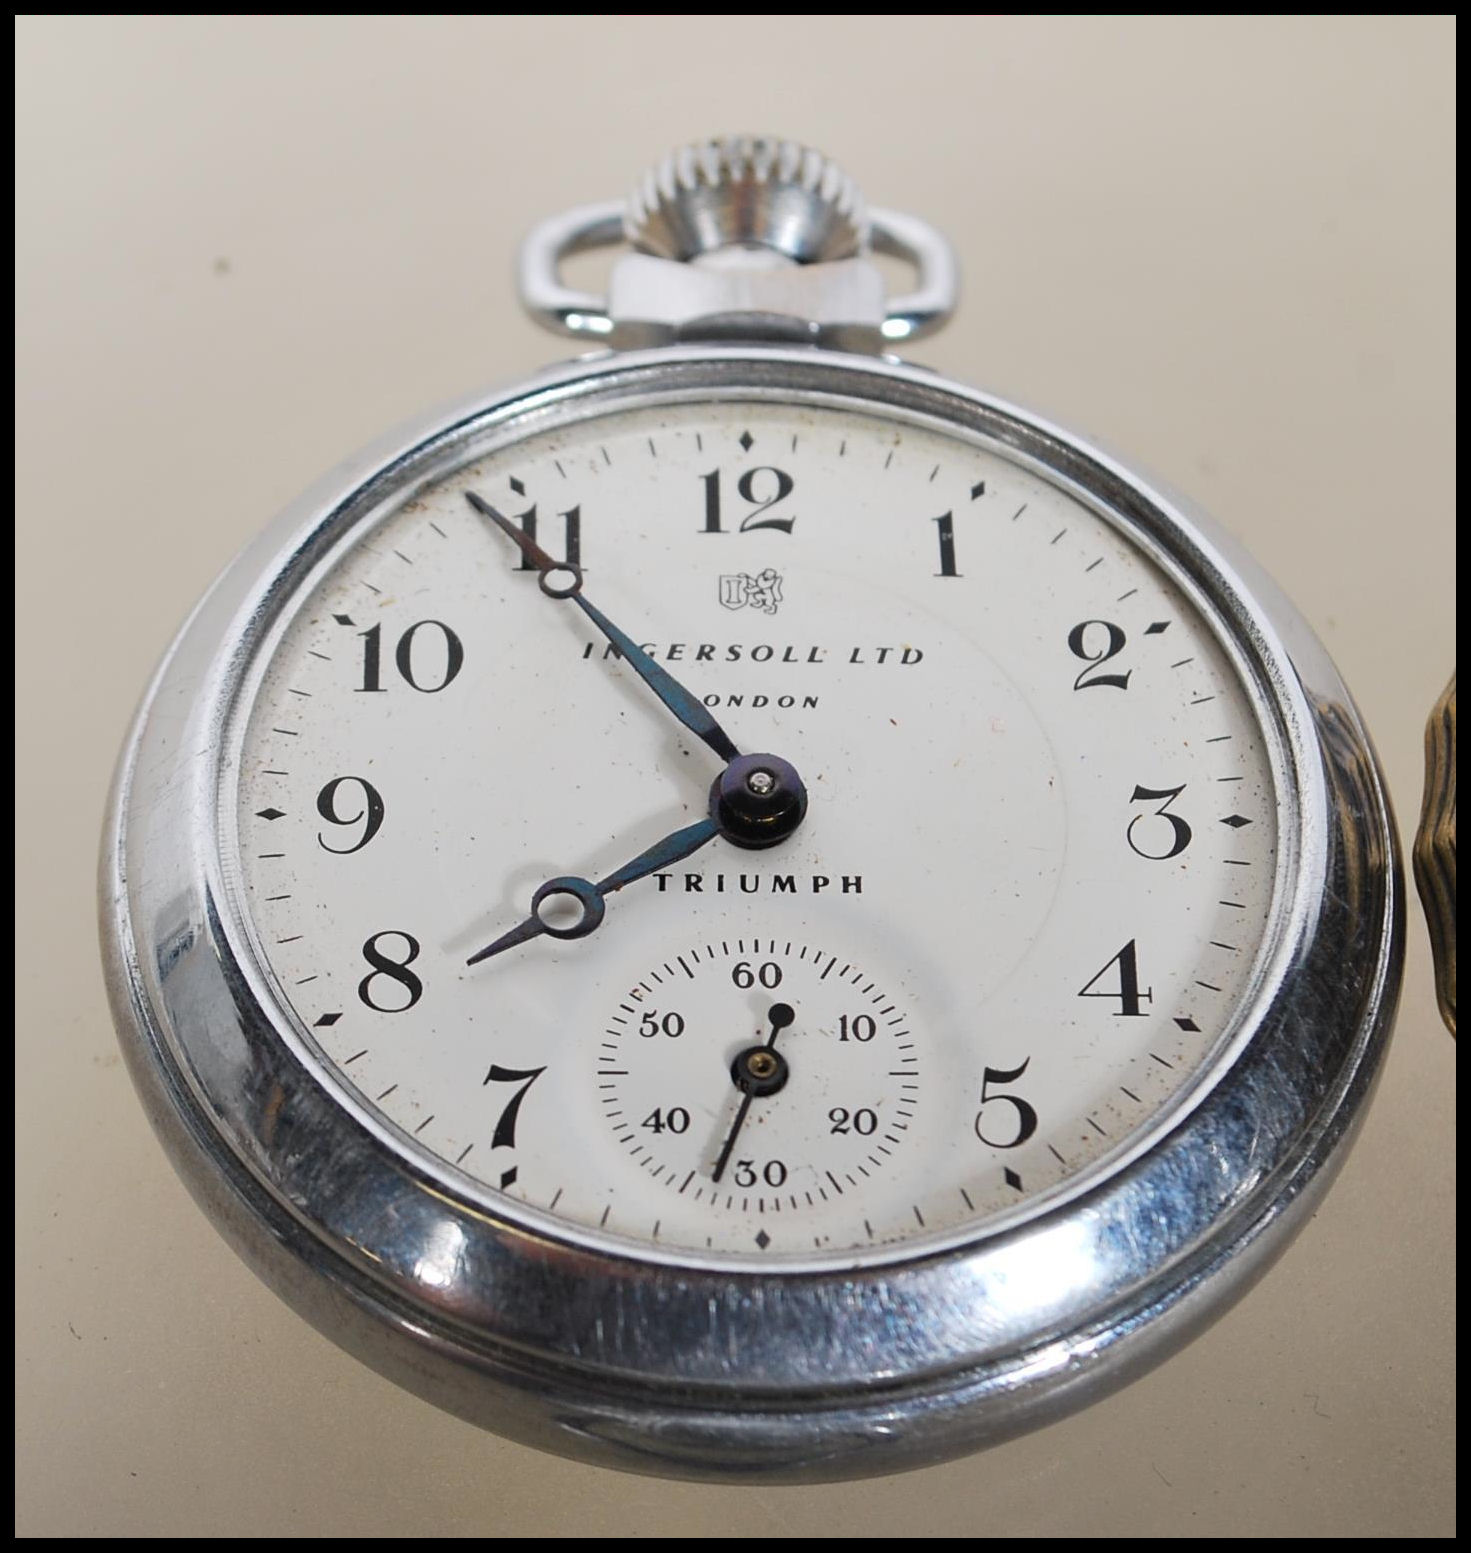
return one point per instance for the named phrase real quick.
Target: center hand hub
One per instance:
(758, 801)
(760, 1071)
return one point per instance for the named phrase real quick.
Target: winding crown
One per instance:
(743, 191)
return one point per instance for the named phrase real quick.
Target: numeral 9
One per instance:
(369, 816)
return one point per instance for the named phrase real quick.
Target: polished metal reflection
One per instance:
(840, 303)
(743, 190)
(703, 1369)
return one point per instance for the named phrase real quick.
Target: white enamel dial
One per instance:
(1038, 861)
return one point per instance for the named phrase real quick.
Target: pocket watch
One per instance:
(740, 907)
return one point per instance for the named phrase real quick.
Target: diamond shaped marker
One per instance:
(1012, 1179)
(746, 439)
(508, 1178)
(763, 1239)
(269, 814)
(1236, 821)
(978, 489)
(516, 486)
(1156, 628)
(1188, 1024)
(327, 1019)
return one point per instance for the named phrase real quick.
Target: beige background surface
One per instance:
(245, 247)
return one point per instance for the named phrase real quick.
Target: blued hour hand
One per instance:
(562, 580)
(590, 896)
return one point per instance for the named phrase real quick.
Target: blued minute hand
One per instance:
(590, 896)
(687, 708)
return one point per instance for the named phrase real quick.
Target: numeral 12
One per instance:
(780, 485)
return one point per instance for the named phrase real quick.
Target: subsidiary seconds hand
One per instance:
(759, 1070)
(560, 580)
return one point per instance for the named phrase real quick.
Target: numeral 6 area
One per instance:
(369, 815)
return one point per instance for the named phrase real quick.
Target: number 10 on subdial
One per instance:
(760, 1075)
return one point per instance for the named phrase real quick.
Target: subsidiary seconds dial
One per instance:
(754, 1077)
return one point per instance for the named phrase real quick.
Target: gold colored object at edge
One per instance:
(1435, 849)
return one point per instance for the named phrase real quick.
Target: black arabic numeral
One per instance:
(676, 1119)
(1110, 647)
(651, 1024)
(768, 973)
(863, 1121)
(505, 1128)
(860, 1027)
(1180, 830)
(746, 487)
(1025, 1114)
(395, 970)
(947, 545)
(371, 652)
(1128, 993)
(454, 655)
(711, 482)
(572, 527)
(403, 656)
(370, 816)
(773, 1173)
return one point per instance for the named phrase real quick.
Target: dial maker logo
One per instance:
(740, 590)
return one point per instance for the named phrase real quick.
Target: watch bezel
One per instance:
(597, 1351)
